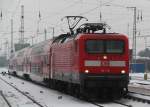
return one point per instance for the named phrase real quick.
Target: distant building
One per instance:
(145, 61)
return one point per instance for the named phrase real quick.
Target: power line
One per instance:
(63, 9)
(95, 8)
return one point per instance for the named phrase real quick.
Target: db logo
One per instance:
(105, 63)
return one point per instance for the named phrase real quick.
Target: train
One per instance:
(82, 63)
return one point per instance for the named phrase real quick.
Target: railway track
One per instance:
(118, 102)
(96, 104)
(130, 96)
(143, 90)
(24, 94)
(123, 104)
(138, 99)
(3, 96)
(140, 94)
(90, 101)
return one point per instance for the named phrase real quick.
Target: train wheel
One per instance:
(69, 89)
(53, 84)
(26, 76)
(82, 93)
(76, 91)
(14, 73)
(125, 91)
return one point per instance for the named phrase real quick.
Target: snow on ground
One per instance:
(50, 98)
(2, 102)
(140, 75)
(15, 98)
(139, 85)
(46, 97)
(139, 78)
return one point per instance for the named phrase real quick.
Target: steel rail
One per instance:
(34, 101)
(8, 103)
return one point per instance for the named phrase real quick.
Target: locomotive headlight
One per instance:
(86, 71)
(105, 57)
(123, 71)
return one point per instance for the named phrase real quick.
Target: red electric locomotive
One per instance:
(82, 62)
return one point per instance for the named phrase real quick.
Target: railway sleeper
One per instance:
(137, 99)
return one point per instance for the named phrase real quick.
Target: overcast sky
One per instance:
(114, 13)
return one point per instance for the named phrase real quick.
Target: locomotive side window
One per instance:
(95, 46)
(114, 46)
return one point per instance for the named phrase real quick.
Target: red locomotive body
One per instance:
(104, 60)
(87, 61)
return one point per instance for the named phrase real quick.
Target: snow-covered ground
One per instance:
(139, 84)
(14, 97)
(139, 75)
(139, 78)
(2, 102)
(45, 96)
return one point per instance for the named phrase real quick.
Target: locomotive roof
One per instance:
(44, 46)
(103, 35)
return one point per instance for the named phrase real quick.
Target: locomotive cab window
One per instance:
(105, 46)
(114, 46)
(95, 46)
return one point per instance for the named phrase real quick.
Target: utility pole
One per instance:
(45, 32)
(128, 29)
(32, 40)
(1, 15)
(100, 16)
(134, 30)
(145, 40)
(22, 25)
(134, 35)
(38, 23)
(100, 13)
(12, 36)
(53, 31)
(6, 47)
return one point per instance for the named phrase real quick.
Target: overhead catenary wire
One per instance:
(63, 9)
(90, 10)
